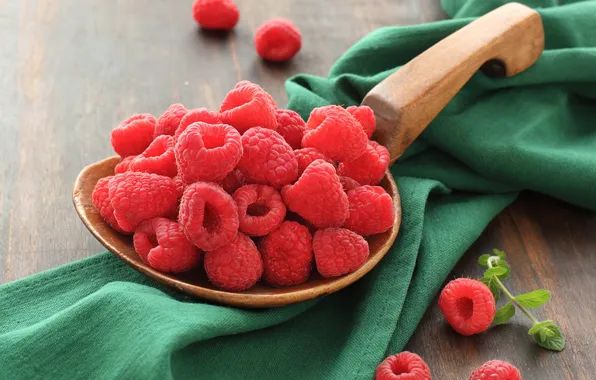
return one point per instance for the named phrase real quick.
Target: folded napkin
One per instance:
(99, 319)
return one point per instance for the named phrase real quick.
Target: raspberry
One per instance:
(248, 106)
(291, 127)
(371, 211)
(306, 156)
(256, 87)
(198, 114)
(215, 14)
(278, 40)
(260, 209)
(161, 243)
(180, 186)
(158, 158)
(287, 255)
(339, 251)
(208, 215)
(207, 152)
(267, 158)
(370, 167)
(133, 135)
(365, 116)
(403, 366)
(124, 165)
(497, 370)
(348, 183)
(168, 122)
(335, 133)
(468, 306)
(233, 181)
(236, 266)
(137, 197)
(101, 201)
(317, 196)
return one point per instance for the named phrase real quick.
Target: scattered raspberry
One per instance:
(365, 116)
(371, 211)
(468, 306)
(248, 106)
(370, 167)
(208, 215)
(339, 251)
(278, 40)
(403, 366)
(101, 201)
(260, 209)
(306, 156)
(137, 197)
(497, 370)
(158, 158)
(335, 133)
(133, 135)
(287, 255)
(216, 14)
(207, 152)
(180, 186)
(317, 196)
(124, 165)
(161, 243)
(291, 127)
(198, 114)
(267, 158)
(236, 266)
(168, 122)
(233, 181)
(348, 183)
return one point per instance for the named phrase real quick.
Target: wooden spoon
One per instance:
(510, 39)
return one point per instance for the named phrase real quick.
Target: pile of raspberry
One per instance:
(251, 191)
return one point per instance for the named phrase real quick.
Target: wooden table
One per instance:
(70, 70)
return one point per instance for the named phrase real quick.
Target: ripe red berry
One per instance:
(468, 305)
(366, 117)
(124, 165)
(198, 114)
(497, 370)
(348, 183)
(260, 209)
(216, 14)
(291, 127)
(371, 211)
(339, 251)
(169, 121)
(306, 156)
(278, 40)
(101, 201)
(233, 181)
(158, 158)
(180, 186)
(247, 106)
(403, 366)
(369, 168)
(133, 135)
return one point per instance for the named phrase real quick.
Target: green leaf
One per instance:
(495, 271)
(499, 253)
(493, 286)
(534, 299)
(483, 260)
(503, 264)
(504, 314)
(548, 336)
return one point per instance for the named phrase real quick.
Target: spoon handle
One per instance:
(503, 42)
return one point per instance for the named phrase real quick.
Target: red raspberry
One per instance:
(158, 158)
(287, 255)
(306, 156)
(208, 215)
(161, 243)
(133, 135)
(168, 122)
(248, 106)
(215, 14)
(371, 211)
(137, 197)
(124, 165)
(496, 370)
(180, 186)
(101, 201)
(365, 116)
(207, 152)
(335, 133)
(278, 40)
(348, 183)
(317, 196)
(198, 114)
(256, 87)
(291, 127)
(233, 181)
(260, 209)
(339, 251)
(267, 158)
(236, 266)
(468, 306)
(370, 167)
(403, 366)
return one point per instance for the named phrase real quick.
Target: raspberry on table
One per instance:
(348, 183)
(208, 215)
(287, 255)
(236, 266)
(335, 133)
(369, 168)
(180, 186)
(215, 14)
(101, 201)
(233, 181)
(365, 116)
(207, 152)
(161, 243)
(291, 127)
(137, 196)
(468, 305)
(371, 211)
(124, 165)
(403, 366)
(260, 209)
(133, 135)
(198, 114)
(267, 158)
(168, 122)
(317, 196)
(496, 370)
(248, 106)
(306, 156)
(256, 87)
(158, 158)
(339, 251)
(278, 40)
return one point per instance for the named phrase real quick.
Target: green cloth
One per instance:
(99, 319)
